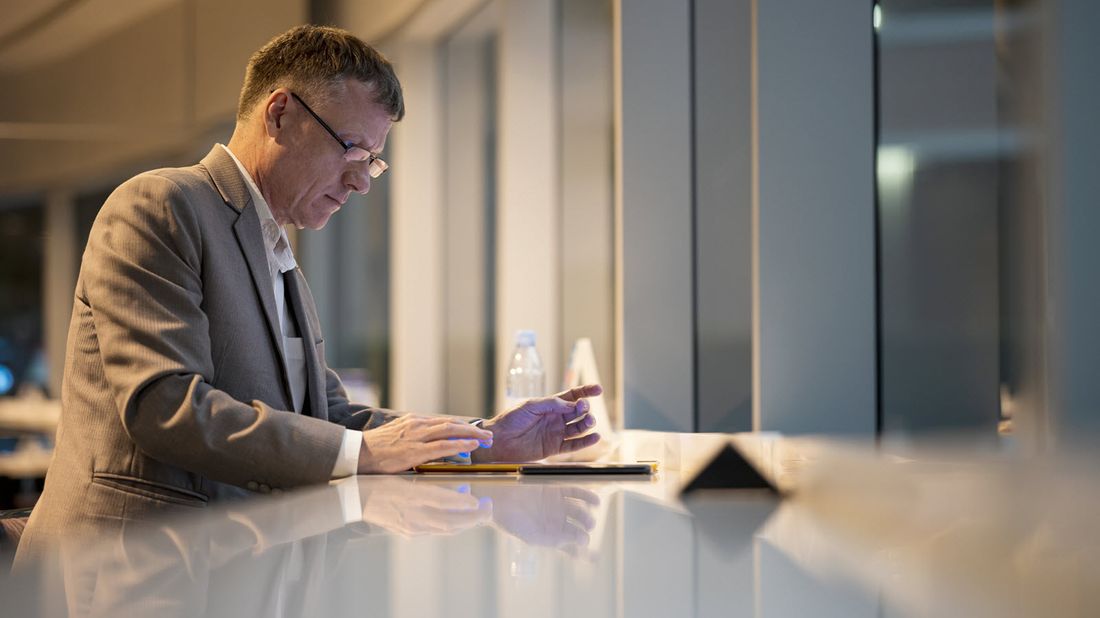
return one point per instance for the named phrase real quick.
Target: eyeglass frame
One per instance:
(375, 165)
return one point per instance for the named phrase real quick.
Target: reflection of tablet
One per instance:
(642, 467)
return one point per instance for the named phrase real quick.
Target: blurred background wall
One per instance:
(872, 219)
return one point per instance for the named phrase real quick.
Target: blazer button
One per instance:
(265, 488)
(252, 485)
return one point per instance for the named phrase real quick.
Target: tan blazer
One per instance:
(175, 389)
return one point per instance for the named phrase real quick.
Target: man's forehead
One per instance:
(359, 96)
(366, 118)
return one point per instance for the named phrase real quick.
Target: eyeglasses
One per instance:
(375, 166)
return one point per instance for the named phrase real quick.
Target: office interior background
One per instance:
(868, 219)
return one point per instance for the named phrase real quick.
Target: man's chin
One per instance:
(315, 225)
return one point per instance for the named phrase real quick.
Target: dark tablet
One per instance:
(589, 468)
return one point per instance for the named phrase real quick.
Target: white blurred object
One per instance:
(30, 413)
(582, 369)
(35, 418)
(29, 460)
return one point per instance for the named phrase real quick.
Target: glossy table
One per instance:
(864, 534)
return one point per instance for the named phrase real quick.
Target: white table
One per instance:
(866, 535)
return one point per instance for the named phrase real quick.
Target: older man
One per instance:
(195, 366)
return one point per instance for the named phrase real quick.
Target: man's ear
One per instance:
(275, 110)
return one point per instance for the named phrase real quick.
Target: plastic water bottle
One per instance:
(525, 376)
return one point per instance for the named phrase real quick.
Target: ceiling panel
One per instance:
(36, 33)
(19, 13)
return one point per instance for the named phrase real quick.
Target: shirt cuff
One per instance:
(347, 462)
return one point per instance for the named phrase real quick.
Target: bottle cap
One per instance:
(525, 337)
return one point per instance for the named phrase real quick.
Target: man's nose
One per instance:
(357, 179)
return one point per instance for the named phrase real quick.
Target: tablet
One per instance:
(640, 467)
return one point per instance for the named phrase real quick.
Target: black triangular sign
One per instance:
(729, 469)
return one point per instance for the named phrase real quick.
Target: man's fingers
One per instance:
(444, 431)
(453, 521)
(580, 515)
(579, 409)
(447, 448)
(443, 498)
(581, 426)
(547, 405)
(451, 502)
(590, 498)
(577, 444)
(578, 392)
(574, 536)
(568, 410)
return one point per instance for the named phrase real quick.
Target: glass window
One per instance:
(21, 354)
(947, 148)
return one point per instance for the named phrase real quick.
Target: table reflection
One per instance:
(303, 552)
(863, 534)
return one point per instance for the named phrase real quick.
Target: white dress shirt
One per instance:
(280, 260)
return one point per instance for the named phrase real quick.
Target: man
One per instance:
(195, 363)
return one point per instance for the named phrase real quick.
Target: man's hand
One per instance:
(547, 515)
(542, 427)
(410, 508)
(412, 440)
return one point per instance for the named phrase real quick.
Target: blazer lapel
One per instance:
(227, 179)
(316, 397)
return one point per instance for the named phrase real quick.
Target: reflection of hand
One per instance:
(547, 515)
(542, 427)
(412, 440)
(409, 508)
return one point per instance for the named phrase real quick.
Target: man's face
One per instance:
(308, 178)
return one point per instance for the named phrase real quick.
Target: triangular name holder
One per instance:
(729, 469)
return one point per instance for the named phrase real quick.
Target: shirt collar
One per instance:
(276, 241)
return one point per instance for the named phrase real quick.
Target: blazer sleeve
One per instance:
(348, 414)
(142, 279)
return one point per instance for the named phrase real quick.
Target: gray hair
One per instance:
(312, 59)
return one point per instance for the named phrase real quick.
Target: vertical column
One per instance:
(468, 239)
(416, 305)
(1022, 242)
(723, 213)
(1072, 96)
(654, 245)
(529, 218)
(814, 280)
(587, 192)
(59, 281)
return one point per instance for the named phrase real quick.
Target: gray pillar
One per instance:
(814, 343)
(587, 193)
(723, 213)
(654, 214)
(59, 281)
(467, 232)
(1072, 98)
